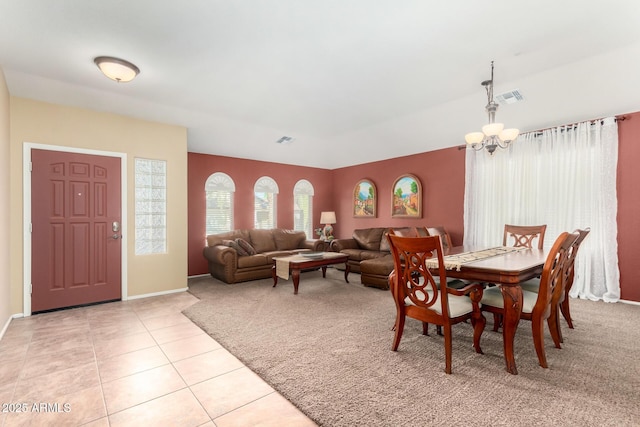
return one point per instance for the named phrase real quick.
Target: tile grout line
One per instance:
(178, 372)
(170, 362)
(95, 357)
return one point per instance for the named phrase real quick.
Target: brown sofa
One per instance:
(370, 254)
(241, 255)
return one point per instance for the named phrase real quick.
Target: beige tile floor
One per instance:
(131, 363)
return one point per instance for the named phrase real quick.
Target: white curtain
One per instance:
(563, 177)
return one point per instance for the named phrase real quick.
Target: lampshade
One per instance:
(474, 137)
(509, 134)
(327, 218)
(117, 69)
(492, 129)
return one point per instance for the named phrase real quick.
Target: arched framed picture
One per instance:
(407, 197)
(364, 199)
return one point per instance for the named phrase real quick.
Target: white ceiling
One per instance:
(353, 81)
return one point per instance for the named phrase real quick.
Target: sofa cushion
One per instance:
(246, 247)
(257, 260)
(369, 238)
(262, 240)
(378, 266)
(288, 239)
(361, 255)
(354, 254)
(364, 255)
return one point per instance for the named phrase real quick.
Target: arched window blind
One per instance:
(219, 190)
(303, 207)
(265, 192)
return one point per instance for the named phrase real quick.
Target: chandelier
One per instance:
(494, 134)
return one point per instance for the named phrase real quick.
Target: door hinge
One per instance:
(30, 166)
(30, 288)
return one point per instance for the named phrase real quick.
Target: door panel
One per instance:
(76, 257)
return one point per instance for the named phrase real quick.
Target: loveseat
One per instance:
(242, 255)
(370, 254)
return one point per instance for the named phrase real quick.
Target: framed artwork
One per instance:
(407, 197)
(364, 199)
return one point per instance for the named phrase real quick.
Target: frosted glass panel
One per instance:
(151, 206)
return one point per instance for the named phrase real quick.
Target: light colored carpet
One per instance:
(327, 350)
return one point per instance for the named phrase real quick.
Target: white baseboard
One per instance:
(8, 322)
(624, 301)
(155, 294)
(4, 329)
(198, 275)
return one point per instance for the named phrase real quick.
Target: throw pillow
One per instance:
(232, 244)
(245, 246)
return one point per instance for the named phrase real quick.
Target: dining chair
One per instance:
(523, 235)
(562, 304)
(536, 307)
(520, 236)
(445, 237)
(410, 231)
(418, 295)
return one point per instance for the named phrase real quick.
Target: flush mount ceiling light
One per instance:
(117, 69)
(493, 135)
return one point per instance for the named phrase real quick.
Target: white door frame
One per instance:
(26, 208)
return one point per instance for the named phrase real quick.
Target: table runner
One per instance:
(282, 265)
(455, 261)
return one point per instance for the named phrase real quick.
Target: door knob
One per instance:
(116, 236)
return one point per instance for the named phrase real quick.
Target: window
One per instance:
(219, 190)
(265, 192)
(151, 206)
(564, 177)
(303, 207)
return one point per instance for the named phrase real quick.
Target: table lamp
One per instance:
(327, 218)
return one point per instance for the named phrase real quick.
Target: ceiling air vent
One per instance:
(510, 97)
(285, 140)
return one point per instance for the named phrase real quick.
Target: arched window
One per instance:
(265, 191)
(303, 207)
(219, 190)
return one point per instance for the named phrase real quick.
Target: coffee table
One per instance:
(308, 261)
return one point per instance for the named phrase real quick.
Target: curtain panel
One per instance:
(564, 177)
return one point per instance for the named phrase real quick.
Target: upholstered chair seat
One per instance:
(493, 297)
(458, 305)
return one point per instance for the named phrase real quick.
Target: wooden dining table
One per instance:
(506, 270)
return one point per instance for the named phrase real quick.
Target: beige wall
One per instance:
(5, 291)
(42, 123)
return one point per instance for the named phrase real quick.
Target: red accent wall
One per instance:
(441, 174)
(629, 206)
(245, 173)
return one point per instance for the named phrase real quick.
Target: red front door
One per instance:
(76, 239)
